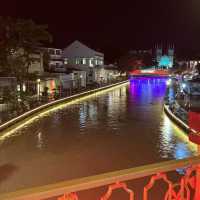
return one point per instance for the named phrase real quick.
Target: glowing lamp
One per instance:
(184, 85)
(18, 88)
(169, 82)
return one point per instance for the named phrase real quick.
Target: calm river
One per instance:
(117, 129)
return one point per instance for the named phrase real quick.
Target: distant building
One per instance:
(56, 62)
(79, 54)
(36, 65)
(189, 63)
(80, 57)
(158, 53)
(61, 82)
(136, 59)
(164, 57)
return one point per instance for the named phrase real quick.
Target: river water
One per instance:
(116, 129)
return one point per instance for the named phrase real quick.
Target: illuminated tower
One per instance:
(158, 53)
(171, 55)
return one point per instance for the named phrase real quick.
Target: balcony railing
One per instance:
(187, 186)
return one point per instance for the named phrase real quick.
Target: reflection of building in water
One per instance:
(166, 137)
(83, 114)
(88, 113)
(40, 141)
(117, 105)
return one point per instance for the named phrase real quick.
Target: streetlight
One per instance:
(81, 76)
(38, 88)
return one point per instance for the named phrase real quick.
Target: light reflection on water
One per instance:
(174, 142)
(122, 128)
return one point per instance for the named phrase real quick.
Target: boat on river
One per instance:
(182, 96)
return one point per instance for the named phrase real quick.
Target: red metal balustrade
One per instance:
(186, 182)
(70, 190)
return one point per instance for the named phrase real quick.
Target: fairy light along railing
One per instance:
(68, 190)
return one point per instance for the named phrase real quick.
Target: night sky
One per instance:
(114, 27)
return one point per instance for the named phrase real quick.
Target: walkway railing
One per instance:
(69, 190)
(15, 119)
(8, 113)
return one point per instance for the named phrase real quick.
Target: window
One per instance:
(84, 61)
(77, 61)
(91, 62)
(58, 52)
(51, 51)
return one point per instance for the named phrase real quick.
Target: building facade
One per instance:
(80, 57)
(36, 65)
(79, 54)
(56, 62)
(164, 56)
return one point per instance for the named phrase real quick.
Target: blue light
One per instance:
(147, 90)
(181, 151)
(183, 85)
(165, 61)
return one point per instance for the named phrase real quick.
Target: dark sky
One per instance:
(114, 27)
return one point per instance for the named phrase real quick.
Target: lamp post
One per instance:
(81, 76)
(38, 89)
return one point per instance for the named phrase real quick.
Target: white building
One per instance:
(73, 80)
(81, 57)
(105, 74)
(79, 54)
(56, 62)
(36, 65)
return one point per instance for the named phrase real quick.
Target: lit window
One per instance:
(84, 61)
(66, 61)
(77, 61)
(91, 63)
(58, 52)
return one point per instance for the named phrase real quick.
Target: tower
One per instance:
(159, 52)
(171, 55)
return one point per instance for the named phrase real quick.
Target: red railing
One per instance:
(186, 188)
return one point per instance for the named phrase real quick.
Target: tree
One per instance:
(19, 40)
(135, 60)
